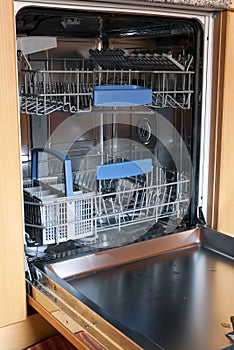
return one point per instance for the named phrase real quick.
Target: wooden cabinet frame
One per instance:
(12, 292)
(225, 210)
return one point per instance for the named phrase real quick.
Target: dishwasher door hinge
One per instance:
(31, 273)
(27, 268)
(201, 222)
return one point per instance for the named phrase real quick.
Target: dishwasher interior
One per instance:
(110, 120)
(112, 147)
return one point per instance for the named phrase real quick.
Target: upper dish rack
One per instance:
(68, 85)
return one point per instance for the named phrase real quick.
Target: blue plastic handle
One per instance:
(67, 167)
(124, 169)
(122, 95)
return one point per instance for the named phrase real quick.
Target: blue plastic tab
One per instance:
(122, 95)
(67, 167)
(124, 169)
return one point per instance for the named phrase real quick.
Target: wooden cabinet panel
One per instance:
(12, 291)
(226, 186)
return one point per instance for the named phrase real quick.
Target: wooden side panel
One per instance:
(216, 118)
(12, 290)
(226, 187)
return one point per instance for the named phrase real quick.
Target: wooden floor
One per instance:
(24, 334)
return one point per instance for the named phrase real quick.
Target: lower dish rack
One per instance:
(138, 193)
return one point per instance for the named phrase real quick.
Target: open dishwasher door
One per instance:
(115, 106)
(164, 293)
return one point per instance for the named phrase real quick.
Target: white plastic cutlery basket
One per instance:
(53, 212)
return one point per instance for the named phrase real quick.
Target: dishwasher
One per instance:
(116, 128)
